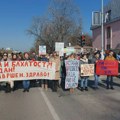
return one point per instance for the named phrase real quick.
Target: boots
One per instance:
(86, 88)
(8, 89)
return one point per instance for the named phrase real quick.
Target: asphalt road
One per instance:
(38, 104)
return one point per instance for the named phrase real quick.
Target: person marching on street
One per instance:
(26, 83)
(14, 83)
(96, 77)
(72, 56)
(118, 58)
(84, 79)
(9, 83)
(55, 58)
(44, 83)
(109, 79)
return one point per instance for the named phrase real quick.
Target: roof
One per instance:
(114, 6)
(113, 20)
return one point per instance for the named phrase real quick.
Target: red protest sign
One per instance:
(107, 67)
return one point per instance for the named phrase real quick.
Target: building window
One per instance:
(108, 38)
(108, 16)
(108, 47)
(108, 32)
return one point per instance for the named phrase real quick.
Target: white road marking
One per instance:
(50, 106)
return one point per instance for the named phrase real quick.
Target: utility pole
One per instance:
(102, 28)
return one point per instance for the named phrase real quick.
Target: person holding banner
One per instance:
(55, 58)
(62, 71)
(72, 72)
(71, 57)
(109, 80)
(34, 56)
(96, 77)
(44, 83)
(9, 84)
(26, 83)
(19, 56)
(14, 83)
(84, 79)
(118, 58)
(0, 56)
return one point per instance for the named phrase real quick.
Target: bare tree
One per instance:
(66, 19)
(62, 23)
(88, 40)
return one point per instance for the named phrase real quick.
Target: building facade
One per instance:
(111, 27)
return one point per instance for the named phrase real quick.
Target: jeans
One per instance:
(109, 81)
(97, 79)
(84, 82)
(26, 84)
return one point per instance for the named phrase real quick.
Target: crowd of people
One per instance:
(60, 73)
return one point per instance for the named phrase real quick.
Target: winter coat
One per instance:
(82, 61)
(110, 58)
(94, 60)
(56, 60)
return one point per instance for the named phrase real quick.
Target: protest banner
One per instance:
(42, 50)
(26, 70)
(87, 69)
(107, 67)
(69, 50)
(72, 73)
(61, 53)
(59, 46)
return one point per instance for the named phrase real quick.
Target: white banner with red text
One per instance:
(26, 70)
